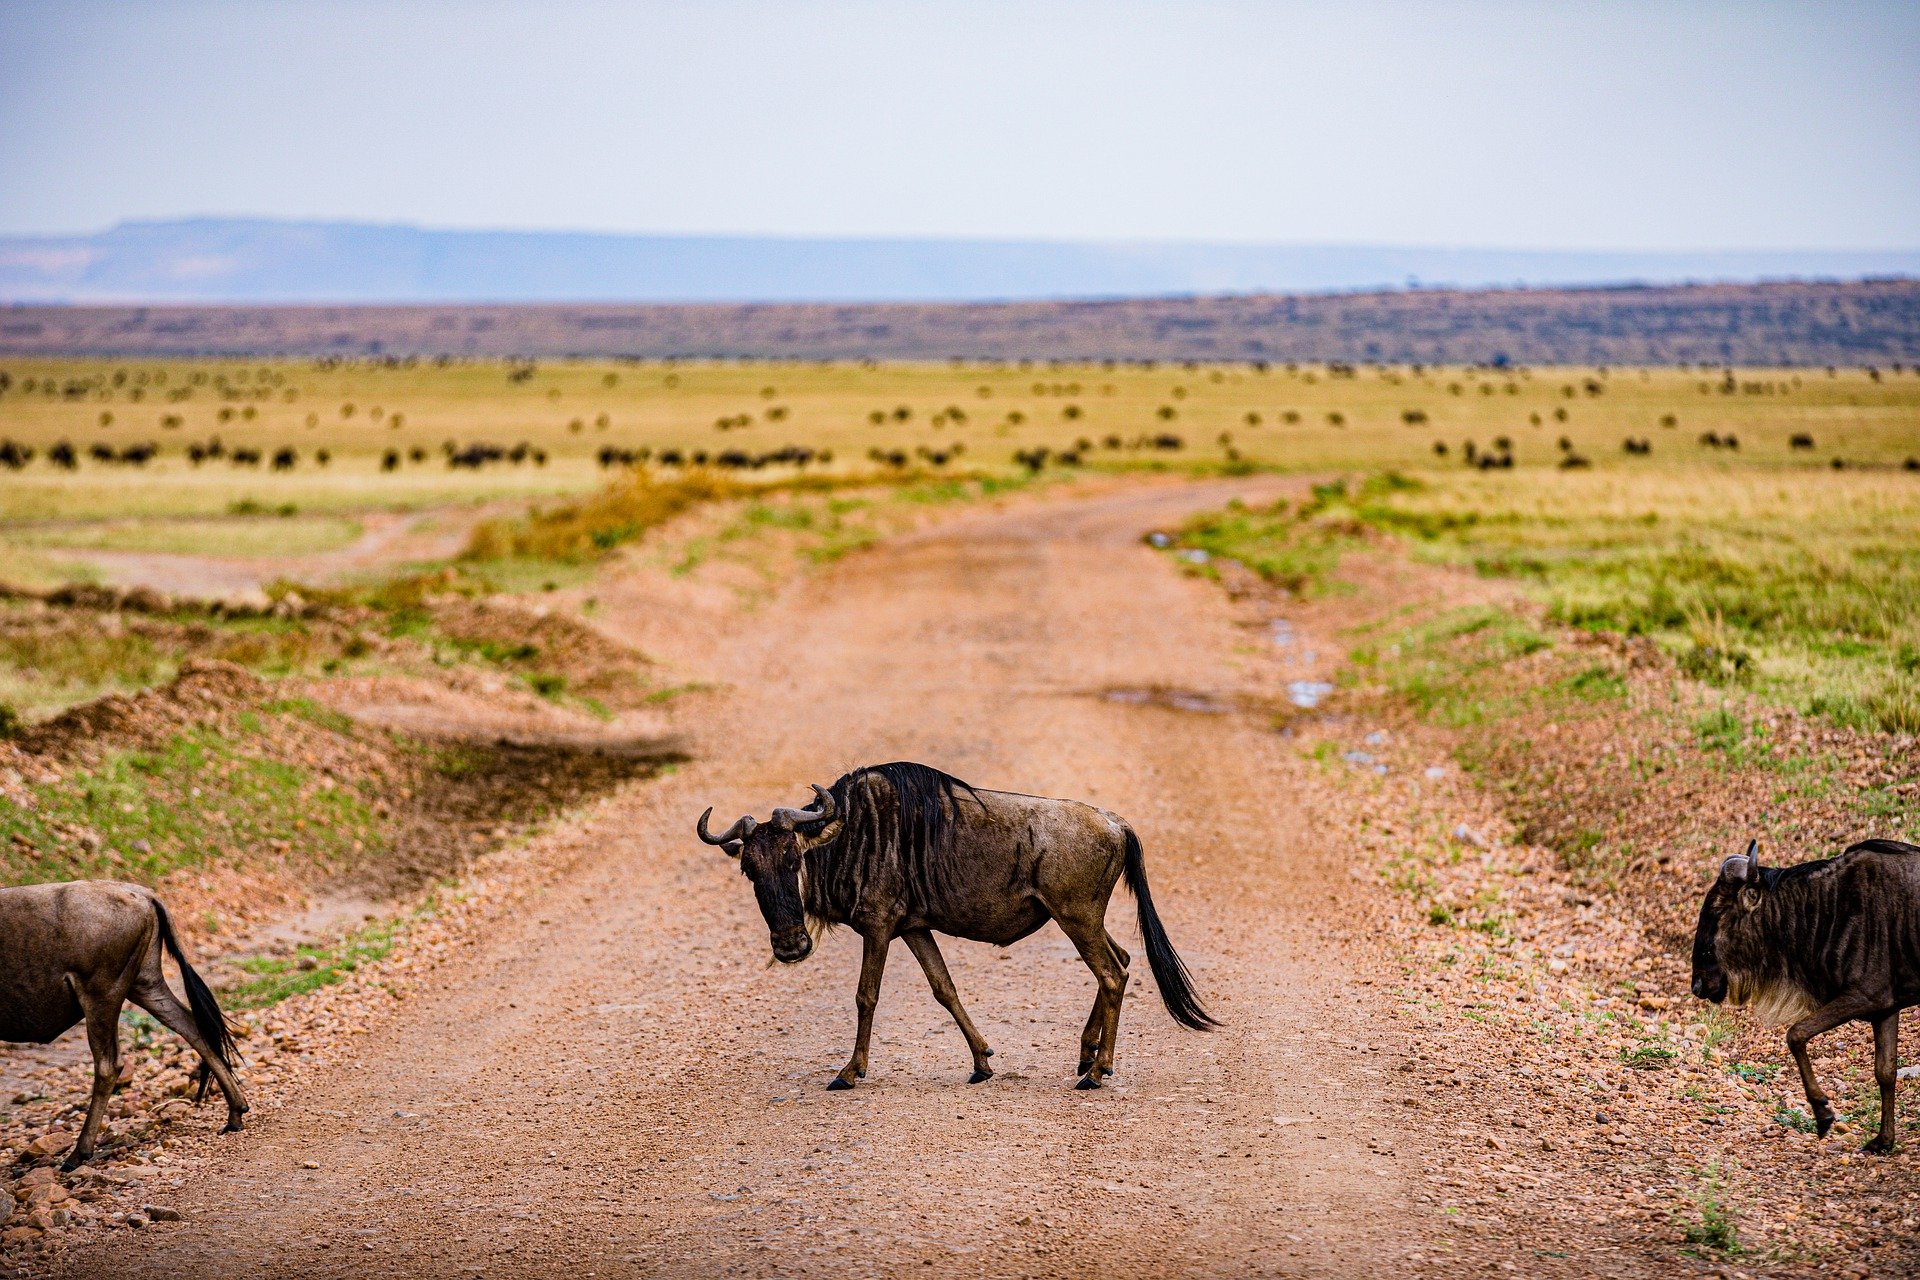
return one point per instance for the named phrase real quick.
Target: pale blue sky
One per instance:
(1551, 125)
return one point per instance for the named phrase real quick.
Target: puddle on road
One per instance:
(1306, 694)
(1172, 699)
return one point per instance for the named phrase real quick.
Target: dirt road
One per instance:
(618, 1084)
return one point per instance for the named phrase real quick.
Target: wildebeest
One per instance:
(1817, 945)
(902, 850)
(79, 951)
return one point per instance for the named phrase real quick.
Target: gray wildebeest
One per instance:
(1817, 945)
(902, 850)
(81, 950)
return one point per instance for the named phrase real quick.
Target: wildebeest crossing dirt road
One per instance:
(617, 1083)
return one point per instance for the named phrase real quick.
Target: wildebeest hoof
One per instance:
(980, 1077)
(73, 1162)
(1822, 1122)
(1878, 1147)
(1088, 1081)
(839, 1082)
(234, 1125)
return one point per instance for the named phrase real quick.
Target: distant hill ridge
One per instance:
(1875, 322)
(261, 260)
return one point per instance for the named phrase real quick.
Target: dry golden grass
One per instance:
(1308, 418)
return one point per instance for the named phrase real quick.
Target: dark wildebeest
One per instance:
(1818, 945)
(901, 850)
(81, 950)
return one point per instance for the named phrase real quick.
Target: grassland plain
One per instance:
(1779, 652)
(1293, 416)
(1801, 587)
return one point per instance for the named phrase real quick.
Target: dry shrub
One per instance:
(585, 530)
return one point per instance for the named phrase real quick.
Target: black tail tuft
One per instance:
(1169, 974)
(207, 1017)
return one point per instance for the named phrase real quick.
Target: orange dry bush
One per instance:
(587, 529)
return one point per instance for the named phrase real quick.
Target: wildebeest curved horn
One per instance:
(786, 819)
(1753, 857)
(738, 831)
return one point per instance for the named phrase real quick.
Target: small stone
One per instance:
(49, 1144)
(160, 1213)
(136, 1220)
(309, 1164)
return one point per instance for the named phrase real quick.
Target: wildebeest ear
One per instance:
(732, 848)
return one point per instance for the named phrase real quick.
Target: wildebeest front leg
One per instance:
(152, 994)
(1818, 1023)
(873, 963)
(1886, 1073)
(103, 1037)
(927, 952)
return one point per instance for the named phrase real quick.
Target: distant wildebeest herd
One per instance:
(906, 851)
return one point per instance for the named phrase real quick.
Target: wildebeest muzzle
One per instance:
(791, 946)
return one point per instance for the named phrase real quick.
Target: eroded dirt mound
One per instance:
(206, 692)
(238, 797)
(560, 653)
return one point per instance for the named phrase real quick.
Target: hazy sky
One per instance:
(1554, 125)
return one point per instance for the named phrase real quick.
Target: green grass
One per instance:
(1648, 1057)
(1794, 1118)
(1713, 1225)
(139, 815)
(1449, 667)
(310, 967)
(1295, 548)
(247, 536)
(1801, 585)
(312, 712)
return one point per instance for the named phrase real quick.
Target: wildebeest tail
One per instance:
(212, 1023)
(1169, 973)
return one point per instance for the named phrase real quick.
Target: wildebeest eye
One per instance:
(1749, 898)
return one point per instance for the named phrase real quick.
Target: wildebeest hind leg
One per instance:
(152, 994)
(1090, 938)
(1817, 1023)
(1092, 1034)
(927, 952)
(1886, 1073)
(103, 1038)
(873, 964)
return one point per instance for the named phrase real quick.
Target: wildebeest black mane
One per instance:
(898, 822)
(1776, 877)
